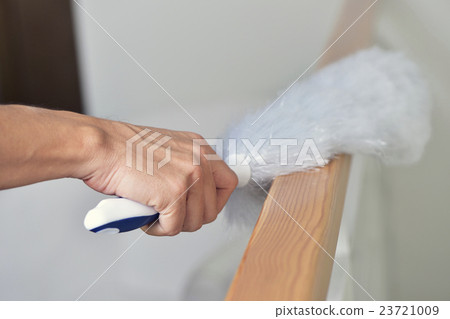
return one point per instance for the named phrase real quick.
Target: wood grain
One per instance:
(290, 253)
(286, 257)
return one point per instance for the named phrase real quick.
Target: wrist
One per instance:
(88, 147)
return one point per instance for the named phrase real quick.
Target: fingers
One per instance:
(210, 194)
(220, 182)
(200, 205)
(190, 195)
(171, 219)
(195, 206)
(225, 181)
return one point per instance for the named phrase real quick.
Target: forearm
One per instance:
(38, 144)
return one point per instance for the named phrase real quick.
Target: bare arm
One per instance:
(38, 144)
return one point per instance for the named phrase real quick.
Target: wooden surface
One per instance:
(284, 259)
(38, 63)
(290, 253)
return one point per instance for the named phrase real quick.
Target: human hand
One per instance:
(186, 195)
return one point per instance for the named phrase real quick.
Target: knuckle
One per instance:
(192, 135)
(174, 231)
(210, 219)
(178, 187)
(196, 172)
(203, 149)
(194, 227)
(234, 181)
(195, 136)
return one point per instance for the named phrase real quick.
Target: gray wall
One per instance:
(417, 198)
(400, 245)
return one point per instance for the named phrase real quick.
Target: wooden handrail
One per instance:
(290, 253)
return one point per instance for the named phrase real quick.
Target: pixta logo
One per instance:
(280, 151)
(141, 141)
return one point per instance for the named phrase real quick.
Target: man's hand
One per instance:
(186, 195)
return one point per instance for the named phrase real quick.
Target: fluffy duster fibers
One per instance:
(373, 102)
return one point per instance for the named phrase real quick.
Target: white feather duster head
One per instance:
(373, 102)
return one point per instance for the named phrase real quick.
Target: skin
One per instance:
(38, 145)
